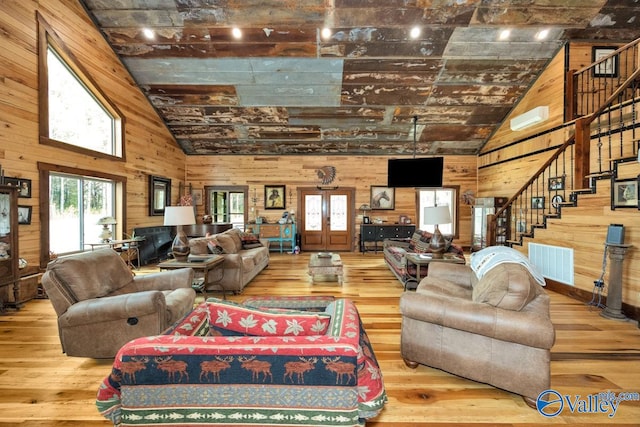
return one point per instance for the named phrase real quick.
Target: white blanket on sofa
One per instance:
(487, 258)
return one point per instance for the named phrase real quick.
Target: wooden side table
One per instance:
(209, 272)
(423, 259)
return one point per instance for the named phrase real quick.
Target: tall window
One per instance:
(74, 113)
(447, 196)
(76, 203)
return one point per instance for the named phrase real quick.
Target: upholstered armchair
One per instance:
(496, 329)
(101, 305)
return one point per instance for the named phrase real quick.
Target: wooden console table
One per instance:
(376, 233)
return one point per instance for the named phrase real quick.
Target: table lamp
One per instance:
(106, 222)
(434, 215)
(179, 216)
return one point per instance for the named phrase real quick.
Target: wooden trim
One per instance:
(581, 295)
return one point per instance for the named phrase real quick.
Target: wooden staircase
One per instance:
(610, 126)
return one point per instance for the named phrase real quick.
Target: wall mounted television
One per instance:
(421, 172)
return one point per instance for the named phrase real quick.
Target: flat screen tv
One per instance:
(422, 172)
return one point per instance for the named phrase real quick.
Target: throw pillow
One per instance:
(214, 248)
(420, 241)
(250, 241)
(229, 318)
(227, 243)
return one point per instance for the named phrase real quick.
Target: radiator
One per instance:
(554, 262)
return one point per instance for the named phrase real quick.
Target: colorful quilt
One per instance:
(189, 377)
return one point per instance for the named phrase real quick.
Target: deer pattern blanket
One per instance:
(188, 377)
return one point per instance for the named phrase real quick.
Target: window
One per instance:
(76, 203)
(227, 204)
(74, 113)
(438, 197)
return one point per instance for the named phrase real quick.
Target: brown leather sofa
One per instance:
(101, 305)
(495, 330)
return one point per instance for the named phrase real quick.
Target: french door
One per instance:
(326, 219)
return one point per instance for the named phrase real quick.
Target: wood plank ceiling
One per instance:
(282, 88)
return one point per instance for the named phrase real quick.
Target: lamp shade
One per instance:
(434, 215)
(179, 215)
(107, 220)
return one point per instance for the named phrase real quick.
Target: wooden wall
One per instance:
(509, 160)
(359, 172)
(150, 148)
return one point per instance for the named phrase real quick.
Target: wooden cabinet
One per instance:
(486, 206)
(376, 233)
(9, 253)
(283, 235)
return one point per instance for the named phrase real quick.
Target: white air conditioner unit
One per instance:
(531, 117)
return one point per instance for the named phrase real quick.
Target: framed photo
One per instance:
(24, 214)
(23, 184)
(383, 197)
(608, 68)
(556, 200)
(197, 196)
(159, 194)
(275, 197)
(366, 220)
(537, 202)
(521, 226)
(556, 183)
(624, 194)
(402, 219)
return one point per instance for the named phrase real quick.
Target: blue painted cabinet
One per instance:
(281, 236)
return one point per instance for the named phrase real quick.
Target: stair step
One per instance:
(600, 175)
(583, 191)
(514, 242)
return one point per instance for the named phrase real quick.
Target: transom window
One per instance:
(74, 113)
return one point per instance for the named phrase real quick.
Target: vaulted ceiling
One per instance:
(284, 88)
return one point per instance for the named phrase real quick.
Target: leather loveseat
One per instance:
(244, 256)
(232, 364)
(494, 330)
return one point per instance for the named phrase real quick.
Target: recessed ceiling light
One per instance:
(542, 34)
(504, 34)
(326, 33)
(415, 32)
(237, 34)
(148, 33)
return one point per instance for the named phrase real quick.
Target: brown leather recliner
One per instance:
(495, 330)
(101, 305)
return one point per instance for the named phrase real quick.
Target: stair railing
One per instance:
(566, 173)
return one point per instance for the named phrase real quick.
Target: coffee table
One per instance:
(327, 264)
(208, 272)
(424, 259)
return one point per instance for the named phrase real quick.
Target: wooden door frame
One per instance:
(352, 208)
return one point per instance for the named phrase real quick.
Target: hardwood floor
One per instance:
(40, 386)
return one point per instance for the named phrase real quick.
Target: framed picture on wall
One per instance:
(608, 68)
(275, 197)
(556, 183)
(159, 194)
(24, 214)
(624, 193)
(383, 197)
(537, 202)
(24, 185)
